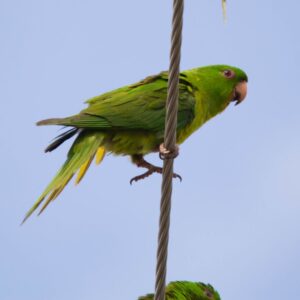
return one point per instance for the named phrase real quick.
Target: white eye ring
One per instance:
(228, 73)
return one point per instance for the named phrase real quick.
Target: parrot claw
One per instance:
(140, 162)
(150, 172)
(142, 176)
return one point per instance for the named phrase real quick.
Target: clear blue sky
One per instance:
(235, 217)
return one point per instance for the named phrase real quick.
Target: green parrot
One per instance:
(186, 290)
(130, 121)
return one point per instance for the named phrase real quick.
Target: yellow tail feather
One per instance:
(83, 169)
(100, 155)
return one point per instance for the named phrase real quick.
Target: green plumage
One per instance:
(130, 120)
(186, 290)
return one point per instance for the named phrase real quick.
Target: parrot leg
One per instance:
(141, 163)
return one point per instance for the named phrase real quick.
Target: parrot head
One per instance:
(187, 290)
(222, 83)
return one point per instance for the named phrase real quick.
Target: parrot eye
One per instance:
(228, 73)
(208, 294)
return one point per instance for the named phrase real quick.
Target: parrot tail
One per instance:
(87, 145)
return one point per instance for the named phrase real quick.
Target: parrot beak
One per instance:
(240, 92)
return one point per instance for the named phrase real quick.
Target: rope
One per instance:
(170, 145)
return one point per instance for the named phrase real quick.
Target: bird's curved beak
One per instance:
(240, 92)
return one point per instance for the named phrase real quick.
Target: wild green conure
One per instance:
(130, 121)
(186, 290)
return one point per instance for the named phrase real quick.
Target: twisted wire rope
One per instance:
(170, 145)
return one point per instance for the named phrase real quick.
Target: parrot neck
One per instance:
(205, 109)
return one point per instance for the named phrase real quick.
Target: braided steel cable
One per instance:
(171, 153)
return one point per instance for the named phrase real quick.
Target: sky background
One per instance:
(236, 215)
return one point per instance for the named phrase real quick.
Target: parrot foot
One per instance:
(164, 153)
(140, 162)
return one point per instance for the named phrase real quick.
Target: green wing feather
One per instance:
(140, 106)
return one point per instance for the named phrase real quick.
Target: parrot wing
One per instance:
(138, 106)
(142, 105)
